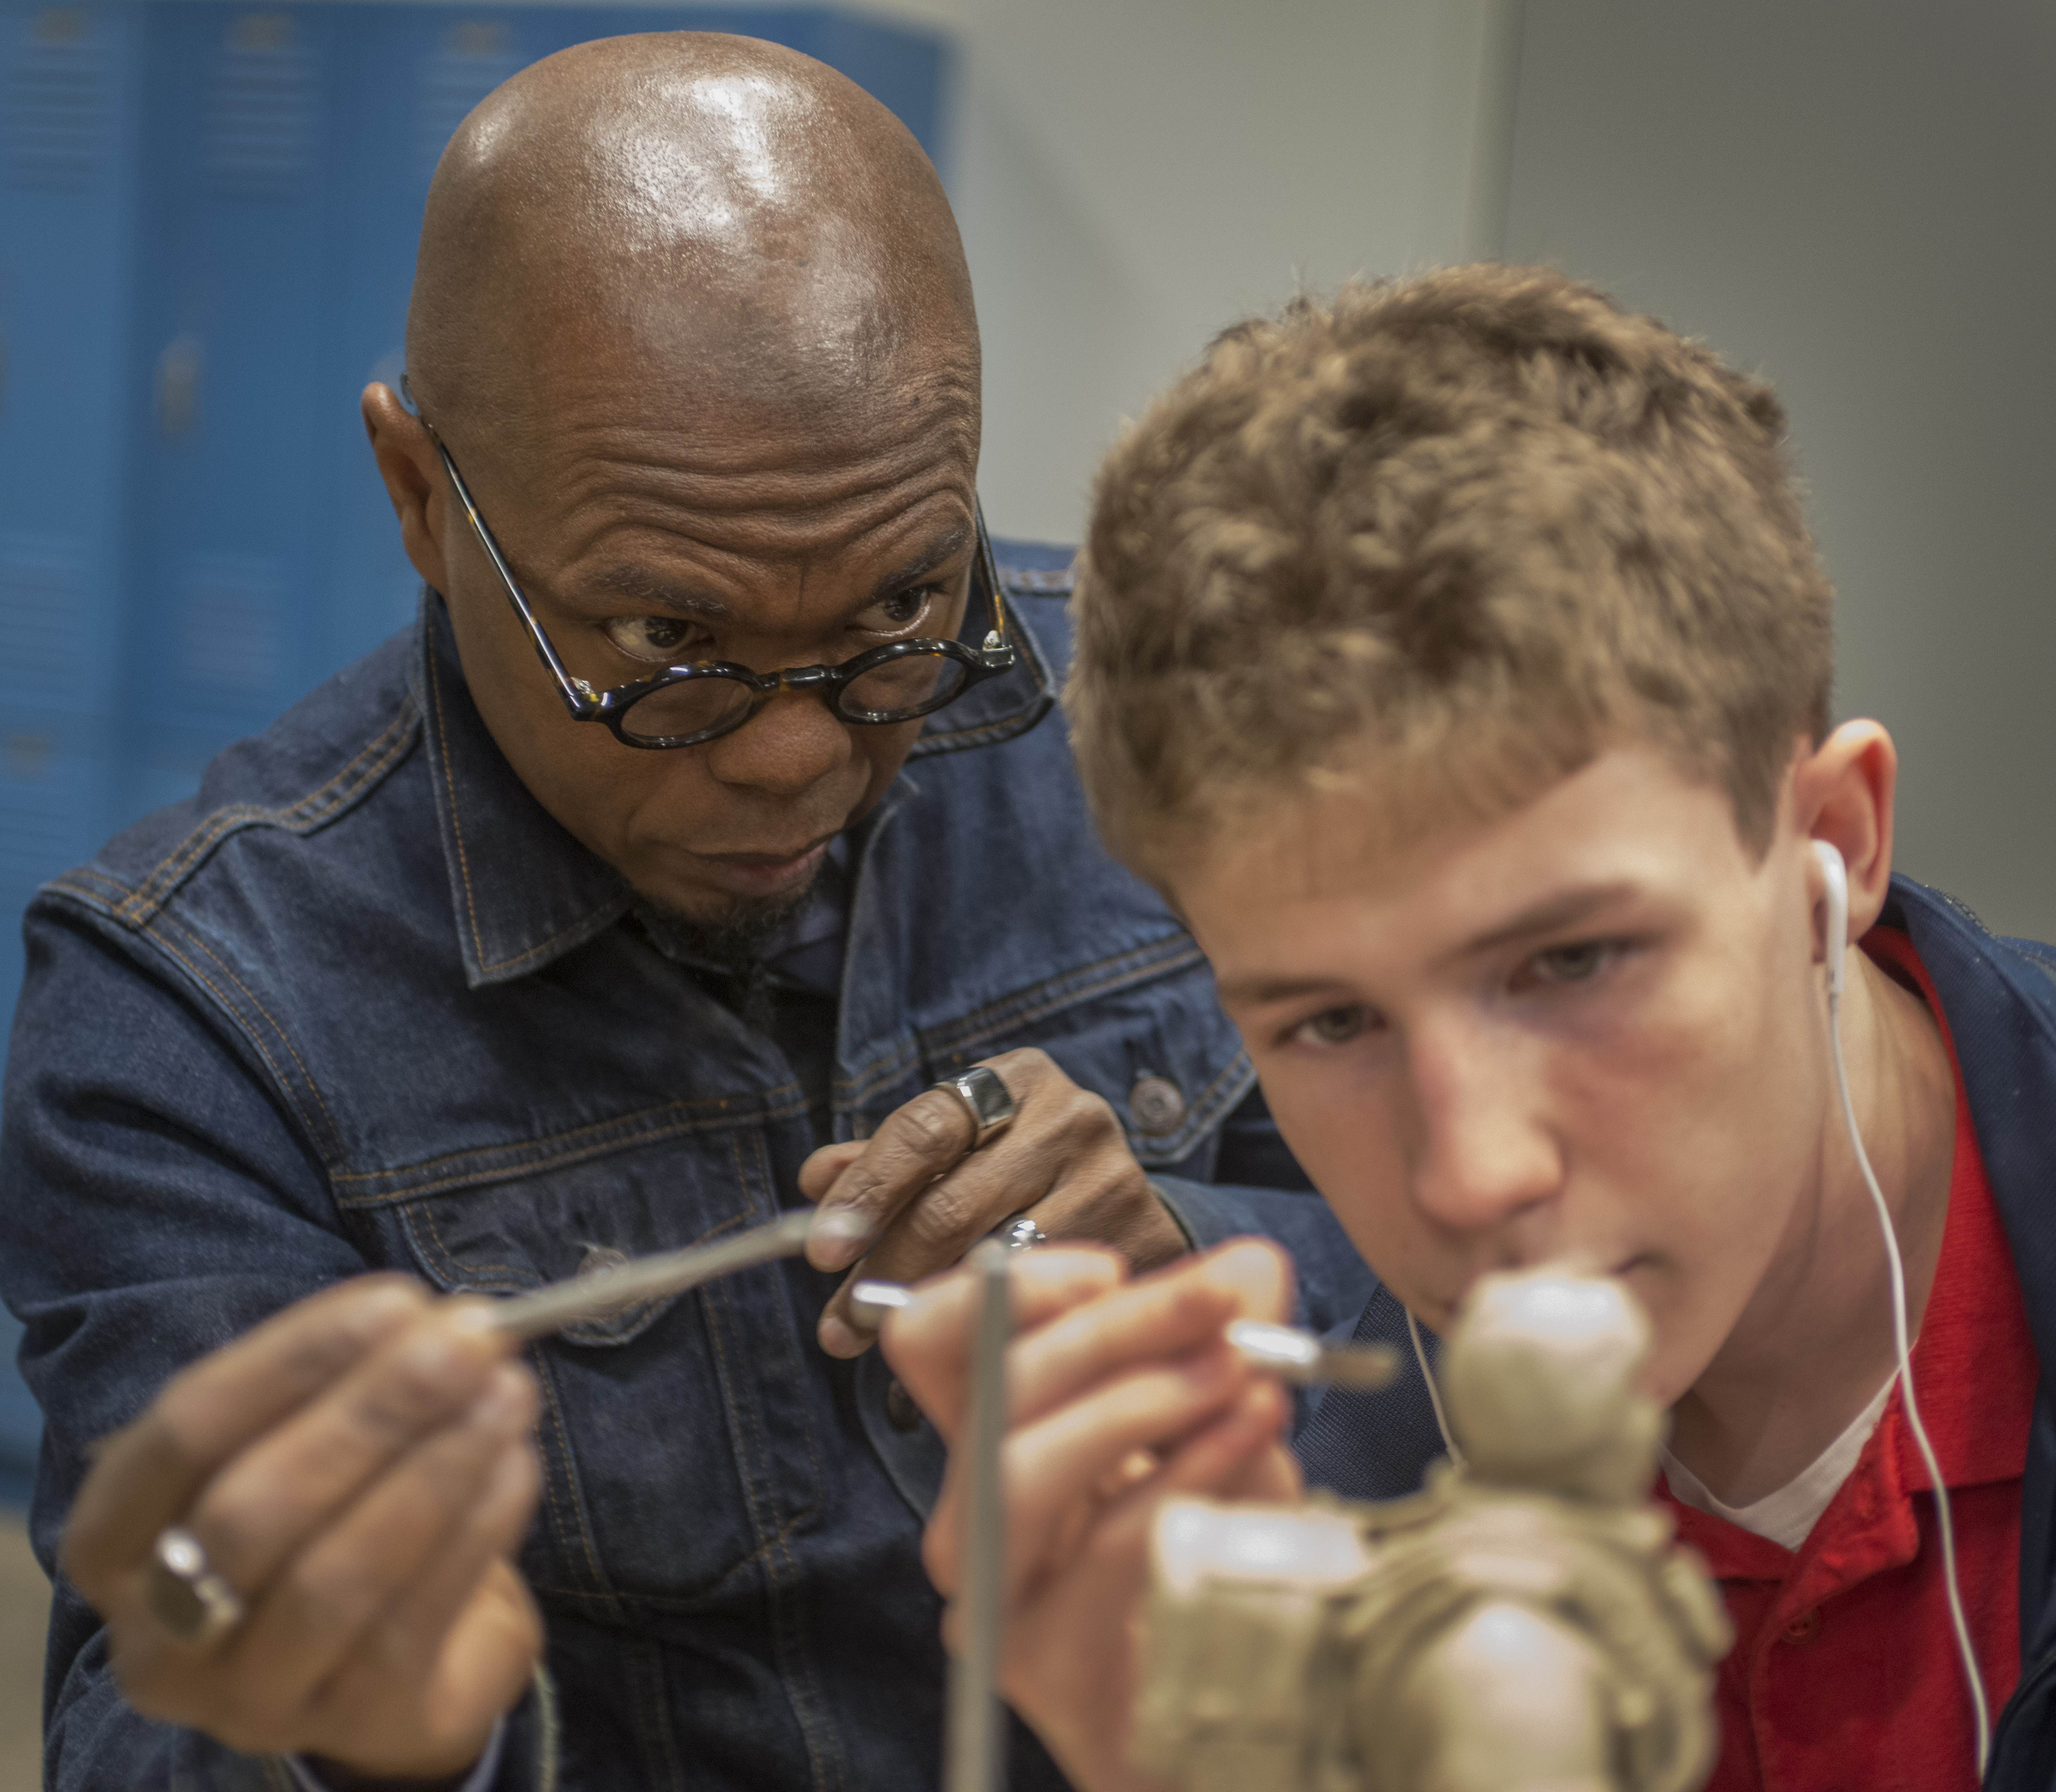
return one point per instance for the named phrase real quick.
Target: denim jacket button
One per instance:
(899, 1407)
(1157, 1105)
(601, 1256)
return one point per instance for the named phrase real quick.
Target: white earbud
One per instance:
(1835, 874)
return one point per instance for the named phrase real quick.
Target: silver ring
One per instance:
(186, 1596)
(986, 1096)
(1018, 1232)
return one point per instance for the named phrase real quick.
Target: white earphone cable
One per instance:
(1434, 1393)
(1981, 1711)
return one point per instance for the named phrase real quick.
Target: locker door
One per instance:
(415, 72)
(236, 301)
(68, 86)
(68, 82)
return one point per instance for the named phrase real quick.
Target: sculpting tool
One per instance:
(1286, 1351)
(606, 1292)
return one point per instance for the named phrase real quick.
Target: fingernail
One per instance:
(840, 1338)
(469, 1316)
(837, 1238)
(503, 1405)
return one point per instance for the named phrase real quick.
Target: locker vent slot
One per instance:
(259, 133)
(57, 117)
(474, 59)
(45, 658)
(229, 640)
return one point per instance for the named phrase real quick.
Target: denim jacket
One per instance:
(2000, 996)
(362, 1004)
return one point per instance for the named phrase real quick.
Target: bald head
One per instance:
(715, 210)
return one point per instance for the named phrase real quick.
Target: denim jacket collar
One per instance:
(522, 890)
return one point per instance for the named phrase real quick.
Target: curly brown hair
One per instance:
(1470, 528)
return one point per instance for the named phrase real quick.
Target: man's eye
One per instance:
(897, 615)
(651, 637)
(1334, 1026)
(1573, 964)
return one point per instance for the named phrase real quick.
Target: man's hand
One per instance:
(927, 1198)
(358, 1470)
(1120, 1393)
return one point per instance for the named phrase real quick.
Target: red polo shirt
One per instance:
(1844, 1673)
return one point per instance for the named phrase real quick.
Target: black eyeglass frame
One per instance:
(611, 706)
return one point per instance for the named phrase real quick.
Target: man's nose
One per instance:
(790, 745)
(1485, 1152)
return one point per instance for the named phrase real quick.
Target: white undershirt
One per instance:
(1787, 1516)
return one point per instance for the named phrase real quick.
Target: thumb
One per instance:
(818, 1174)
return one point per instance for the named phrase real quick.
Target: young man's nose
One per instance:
(785, 749)
(1484, 1154)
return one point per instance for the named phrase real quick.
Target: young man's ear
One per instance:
(1842, 793)
(407, 463)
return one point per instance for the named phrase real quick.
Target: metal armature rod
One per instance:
(1284, 1351)
(606, 1291)
(973, 1723)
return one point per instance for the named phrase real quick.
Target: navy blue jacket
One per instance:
(361, 1003)
(2000, 999)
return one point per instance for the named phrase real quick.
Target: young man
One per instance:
(1456, 659)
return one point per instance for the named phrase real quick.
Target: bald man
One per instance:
(560, 930)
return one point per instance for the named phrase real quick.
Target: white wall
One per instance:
(1859, 202)
(1132, 176)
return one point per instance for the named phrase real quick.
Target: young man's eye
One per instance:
(1333, 1027)
(656, 638)
(898, 614)
(1573, 964)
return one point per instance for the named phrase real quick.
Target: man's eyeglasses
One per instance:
(682, 706)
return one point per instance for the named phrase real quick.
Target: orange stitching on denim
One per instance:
(224, 822)
(486, 1173)
(307, 1076)
(717, 1103)
(988, 1030)
(464, 858)
(779, 1546)
(388, 743)
(993, 1020)
(764, 1180)
(459, 1271)
(200, 977)
(449, 782)
(547, 1383)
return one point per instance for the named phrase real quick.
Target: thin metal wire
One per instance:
(972, 1761)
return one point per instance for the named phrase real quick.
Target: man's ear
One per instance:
(1842, 793)
(413, 475)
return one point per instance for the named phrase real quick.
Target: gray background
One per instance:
(1857, 200)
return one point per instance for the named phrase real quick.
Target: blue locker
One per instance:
(69, 82)
(245, 116)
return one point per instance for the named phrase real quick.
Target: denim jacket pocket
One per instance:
(1146, 1029)
(675, 1439)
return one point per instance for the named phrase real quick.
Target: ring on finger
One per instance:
(186, 1596)
(986, 1096)
(1018, 1232)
